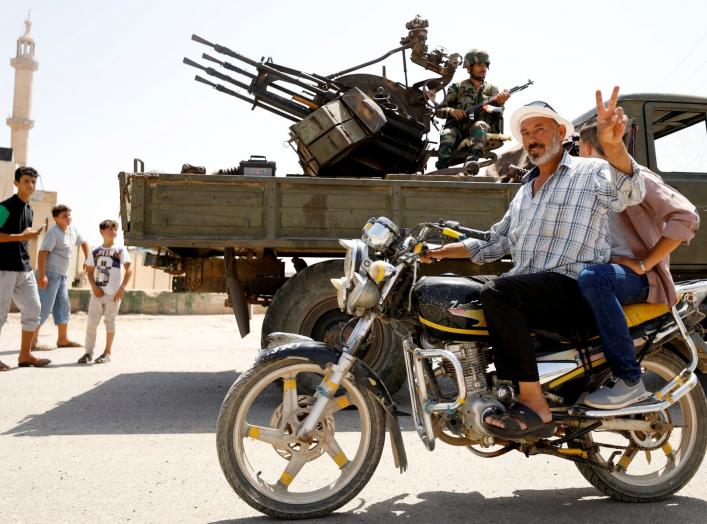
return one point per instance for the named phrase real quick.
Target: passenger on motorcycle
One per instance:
(642, 238)
(556, 225)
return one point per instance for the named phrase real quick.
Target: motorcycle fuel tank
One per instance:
(450, 307)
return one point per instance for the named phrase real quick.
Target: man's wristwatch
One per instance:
(643, 267)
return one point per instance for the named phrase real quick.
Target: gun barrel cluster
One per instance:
(268, 85)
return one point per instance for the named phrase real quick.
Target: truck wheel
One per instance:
(306, 304)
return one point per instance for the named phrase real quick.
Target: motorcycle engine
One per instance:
(475, 358)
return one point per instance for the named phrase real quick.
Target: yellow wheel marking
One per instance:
(343, 402)
(626, 459)
(340, 459)
(253, 432)
(286, 479)
(331, 385)
(290, 384)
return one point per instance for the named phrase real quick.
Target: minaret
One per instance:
(25, 65)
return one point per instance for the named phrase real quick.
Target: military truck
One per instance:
(237, 231)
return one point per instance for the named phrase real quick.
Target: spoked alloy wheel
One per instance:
(274, 471)
(653, 466)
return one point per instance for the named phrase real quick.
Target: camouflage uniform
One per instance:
(464, 96)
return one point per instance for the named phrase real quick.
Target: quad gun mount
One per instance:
(346, 123)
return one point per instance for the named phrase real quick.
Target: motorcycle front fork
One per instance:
(335, 375)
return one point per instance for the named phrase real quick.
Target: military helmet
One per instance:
(477, 56)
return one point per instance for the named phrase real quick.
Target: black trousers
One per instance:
(514, 304)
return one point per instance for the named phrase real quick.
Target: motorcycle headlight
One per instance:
(355, 256)
(379, 233)
(365, 293)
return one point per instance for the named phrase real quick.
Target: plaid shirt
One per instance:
(563, 228)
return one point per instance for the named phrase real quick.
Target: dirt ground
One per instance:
(133, 440)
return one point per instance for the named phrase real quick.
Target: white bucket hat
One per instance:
(538, 109)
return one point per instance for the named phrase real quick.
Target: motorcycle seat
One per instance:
(639, 313)
(635, 314)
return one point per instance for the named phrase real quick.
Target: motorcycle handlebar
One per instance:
(463, 232)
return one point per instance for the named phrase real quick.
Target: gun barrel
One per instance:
(295, 108)
(257, 103)
(191, 62)
(197, 38)
(514, 89)
(225, 50)
(227, 65)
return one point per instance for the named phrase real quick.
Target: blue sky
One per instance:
(111, 86)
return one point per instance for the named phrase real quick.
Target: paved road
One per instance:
(133, 440)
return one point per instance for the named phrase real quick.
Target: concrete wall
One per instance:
(160, 302)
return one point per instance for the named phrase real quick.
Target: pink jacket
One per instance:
(663, 213)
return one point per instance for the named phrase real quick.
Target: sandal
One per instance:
(43, 347)
(511, 419)
(103, 359)
(36, 363)
(70, 344)
(3, 366)
(85, 359)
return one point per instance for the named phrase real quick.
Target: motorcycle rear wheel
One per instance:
(257, 428)
(679, 453)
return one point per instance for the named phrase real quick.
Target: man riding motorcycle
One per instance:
(555, 226)
(458, 336)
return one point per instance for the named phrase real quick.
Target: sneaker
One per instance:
(85, 359)
(103, 359)
(617, 394)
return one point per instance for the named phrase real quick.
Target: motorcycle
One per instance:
(330, 436)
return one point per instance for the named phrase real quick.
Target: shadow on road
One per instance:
(137, 403)
(572, 505)
(151, 403)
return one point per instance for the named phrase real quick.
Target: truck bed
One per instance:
(302, 216)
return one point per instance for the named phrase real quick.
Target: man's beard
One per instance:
(551, 151)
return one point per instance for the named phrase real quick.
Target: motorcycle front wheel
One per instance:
(275, 472)
(653, 466)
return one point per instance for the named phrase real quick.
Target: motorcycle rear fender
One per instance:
(323, 354)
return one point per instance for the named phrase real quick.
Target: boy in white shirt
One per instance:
(104, 267)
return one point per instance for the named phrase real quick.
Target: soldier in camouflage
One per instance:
(463, 96)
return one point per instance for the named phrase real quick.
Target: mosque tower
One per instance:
(20, 122)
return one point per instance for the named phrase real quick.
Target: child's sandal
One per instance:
(103, 359)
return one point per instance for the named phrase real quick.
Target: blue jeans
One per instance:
(55, 299)
(606, 287)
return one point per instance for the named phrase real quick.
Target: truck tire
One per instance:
(306, 304)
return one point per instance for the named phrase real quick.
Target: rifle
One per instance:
(472, 110)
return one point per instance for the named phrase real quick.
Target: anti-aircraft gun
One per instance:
(346, 123)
